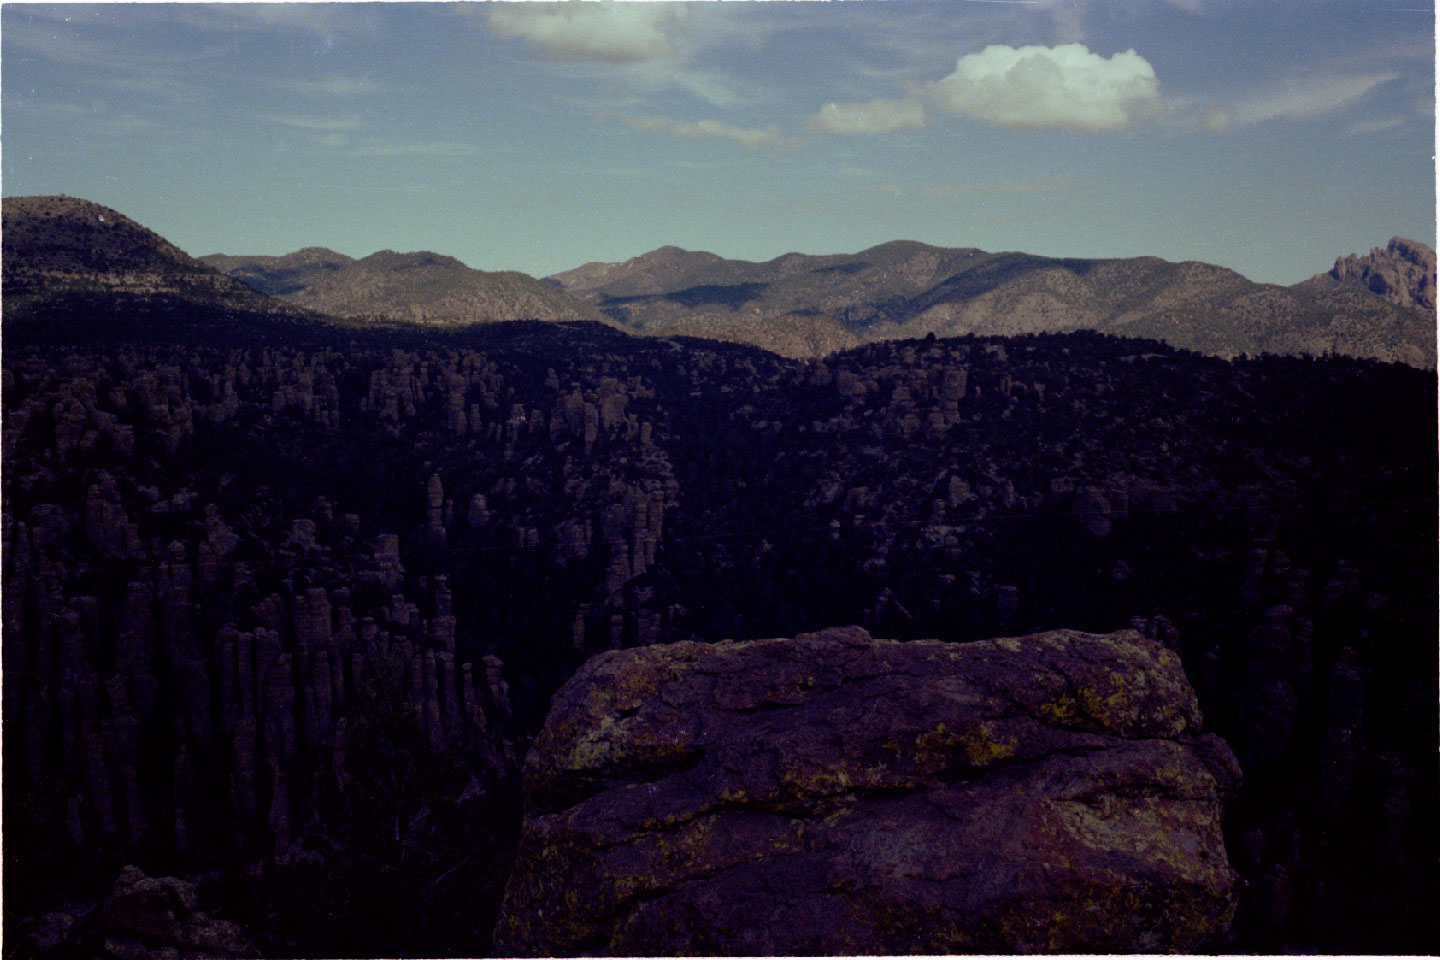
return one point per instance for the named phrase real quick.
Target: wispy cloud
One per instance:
(107, 62)
(641, 48)
(325, 23)
(1074, 21)
(321, 124)
(603, 32)
(1300, 98)
(426, 148)
(1363, 128)
(51, 109)
(69, 43)
(336, 86)
(713, 87)
(876, 116)
(752, 138)
(113, 46)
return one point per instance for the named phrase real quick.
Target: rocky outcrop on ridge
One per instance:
(836, 794)
(1403, 273)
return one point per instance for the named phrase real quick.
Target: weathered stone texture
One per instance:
(834, 794)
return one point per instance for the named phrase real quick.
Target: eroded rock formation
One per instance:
(1402, 273)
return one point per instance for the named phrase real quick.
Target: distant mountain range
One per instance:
(1382, 305)
(801, 305)
(419, 287)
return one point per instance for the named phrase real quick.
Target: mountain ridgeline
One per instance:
(61, 250)
(807, 305)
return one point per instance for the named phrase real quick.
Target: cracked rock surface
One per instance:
(837, 794)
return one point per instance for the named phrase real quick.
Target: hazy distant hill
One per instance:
(1403, 273)
(907, 289)
(420, 287)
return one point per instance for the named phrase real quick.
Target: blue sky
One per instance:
(1270, 137)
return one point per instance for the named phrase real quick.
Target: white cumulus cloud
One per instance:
(1065, 87)
(606, 32)
(873, 116)
(752, 138)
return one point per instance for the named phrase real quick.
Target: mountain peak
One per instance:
(901, 247)
(413, 260)
(320, 255)
(1412, 251)
(673, 254)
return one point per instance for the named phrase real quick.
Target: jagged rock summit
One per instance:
(836, 794)
(1403, 273)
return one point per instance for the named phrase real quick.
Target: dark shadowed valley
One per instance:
(1002, 604)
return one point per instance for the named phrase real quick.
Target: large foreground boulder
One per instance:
(834, 794)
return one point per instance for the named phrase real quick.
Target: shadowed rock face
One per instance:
(834, 794)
